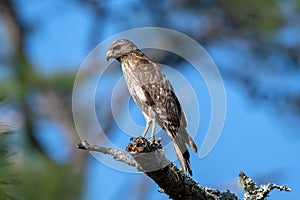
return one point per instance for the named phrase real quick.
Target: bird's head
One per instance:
(120, 48)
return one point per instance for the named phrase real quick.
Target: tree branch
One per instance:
(253, 192)
(149, 158)
(117, 154)
(170, 179)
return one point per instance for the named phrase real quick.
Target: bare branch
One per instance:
(117, 154)
(256, 193)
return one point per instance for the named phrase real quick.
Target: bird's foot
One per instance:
(152, 139)
(133, 139)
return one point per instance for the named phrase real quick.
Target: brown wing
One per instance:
(165, 105)
(158, 94)
(160, 97)
(171, 118)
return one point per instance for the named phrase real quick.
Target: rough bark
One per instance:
(149, 158)
(253, 192)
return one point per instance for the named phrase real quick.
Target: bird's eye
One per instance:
(118, 47)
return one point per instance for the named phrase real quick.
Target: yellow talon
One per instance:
(152, 139)
(153, 132)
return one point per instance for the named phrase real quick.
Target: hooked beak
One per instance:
(108, 54)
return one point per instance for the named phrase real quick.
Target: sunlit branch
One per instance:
(117, 154)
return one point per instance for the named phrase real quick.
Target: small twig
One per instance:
(256, 193)
(117, 154)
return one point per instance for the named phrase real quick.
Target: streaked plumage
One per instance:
(153, 93)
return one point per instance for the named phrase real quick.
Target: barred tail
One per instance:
(180, 141)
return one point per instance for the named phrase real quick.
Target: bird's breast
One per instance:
(135, 89)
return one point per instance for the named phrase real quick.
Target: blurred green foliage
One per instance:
(35, 177)
(43, 179)
(255, 14)
(8, 178)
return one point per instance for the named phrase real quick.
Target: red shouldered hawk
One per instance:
(153, 93)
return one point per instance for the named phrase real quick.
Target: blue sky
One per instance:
(255, 138)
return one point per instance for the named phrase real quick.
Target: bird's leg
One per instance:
(153, 132)
(148, 123)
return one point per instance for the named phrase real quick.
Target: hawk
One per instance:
(154, 94)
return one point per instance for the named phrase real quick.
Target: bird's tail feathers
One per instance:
(181, 157)
(187, 139)
(180, 140)
(186, 156)
(192, 144)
